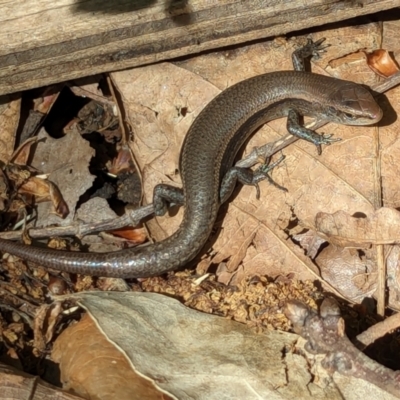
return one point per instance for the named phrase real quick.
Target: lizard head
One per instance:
(353, 105)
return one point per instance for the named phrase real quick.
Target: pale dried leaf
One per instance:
(95, 210)
(45, 321)
(192, 355)
(66, 160)
(378, 227)
(43, 104)
(346, 270)
(22, 154)
(45, 190)
(310, 241)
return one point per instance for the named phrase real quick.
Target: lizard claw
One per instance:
(316, 48)
(328, 139)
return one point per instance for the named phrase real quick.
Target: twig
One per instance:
(378, 331)
(325, 334)
(131, 218)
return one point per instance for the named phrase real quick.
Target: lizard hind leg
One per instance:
(165, 195)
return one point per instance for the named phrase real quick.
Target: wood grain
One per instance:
(15, 384)
(44, 42)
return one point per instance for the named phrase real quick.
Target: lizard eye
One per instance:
(350, 116)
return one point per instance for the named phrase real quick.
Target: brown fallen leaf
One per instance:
(44, 190)
(121, 163)
(382, 63)
(27, 186)
(93, 368)
(23, 152)
(46, 318)
(378, 227)
(134, 235)
(44, 103)
(353, 275)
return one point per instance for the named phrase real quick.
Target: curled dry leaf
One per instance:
(378, 227)
(25, 183)
(60, 206)
(44, 103)
(22, 154)
(44, 190)
(42, 106)
(352, 275)
(45, 322)
(122, 163)
(134, 235)
(382, 63)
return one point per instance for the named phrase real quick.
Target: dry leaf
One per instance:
(352, 275)
(132, 234)
(46, 318)
(93, 368)
(66, 160)
(22, 154)
(44, 103)
(192, 355)
(95, 210)
(122, 163)
(44, 190)
(382, 63)
(342, 229)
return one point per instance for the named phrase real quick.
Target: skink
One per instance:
(207, 156)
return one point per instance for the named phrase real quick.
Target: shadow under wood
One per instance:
(179, 11)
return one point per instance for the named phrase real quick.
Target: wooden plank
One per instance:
(44, 42)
